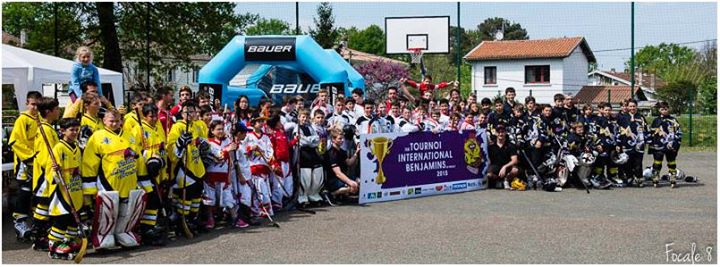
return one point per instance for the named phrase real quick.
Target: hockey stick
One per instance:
(256, 193)
(297, 170)
(282, 185)
(530, 163)
(183, 221)
(64, 192)
(152, 179)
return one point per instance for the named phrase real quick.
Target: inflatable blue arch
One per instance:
(300, 54)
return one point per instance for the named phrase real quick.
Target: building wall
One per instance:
(511, 73)
(575, 69)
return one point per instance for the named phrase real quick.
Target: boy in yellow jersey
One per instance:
(130, 120)
(49, 113)
(154, 158)
(184, 144)
(110, 169)
(90, 122)
(64, 233)
(74, 108)
(22, 140)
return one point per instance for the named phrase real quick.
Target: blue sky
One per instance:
(604, 25)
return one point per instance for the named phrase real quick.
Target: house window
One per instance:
(490, 75)
(170, 75)
(537, 74)
(195, 75)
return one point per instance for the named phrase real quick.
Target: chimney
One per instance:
(612, 70)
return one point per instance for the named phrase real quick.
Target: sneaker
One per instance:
(507, 186)
(558, 189)
(22, 230)
(617, 181)
(240, 223)
(210, 223)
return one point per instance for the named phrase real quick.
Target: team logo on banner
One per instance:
(270, 49)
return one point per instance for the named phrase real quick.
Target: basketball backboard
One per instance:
(431, 34)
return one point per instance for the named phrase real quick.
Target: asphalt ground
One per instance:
(629, 225)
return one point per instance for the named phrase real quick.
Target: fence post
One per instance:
(609, 97)
(690, 121)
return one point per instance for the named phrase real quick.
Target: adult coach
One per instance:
(503, 160)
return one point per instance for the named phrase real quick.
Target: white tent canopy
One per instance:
(29, 70)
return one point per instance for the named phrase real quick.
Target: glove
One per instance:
(183, 141)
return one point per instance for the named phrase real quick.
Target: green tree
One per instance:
(467, 43)
(37, 20)
(677, 94)
(324, 32)
(511, 30)
(370, 40)
(117, 31)
(270, 27)
(661, 58)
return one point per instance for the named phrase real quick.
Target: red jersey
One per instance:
(426, 86)
(281, 145)
(165, 119)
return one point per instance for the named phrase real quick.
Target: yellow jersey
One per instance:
(22, 141)
(42, 157)
(69, 158)
(111, 162)
(193, 163)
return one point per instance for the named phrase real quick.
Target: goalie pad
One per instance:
(129, 216)
(106, 213)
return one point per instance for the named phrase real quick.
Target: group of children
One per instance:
(138, 175)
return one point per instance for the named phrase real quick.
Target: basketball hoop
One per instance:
(415, 55)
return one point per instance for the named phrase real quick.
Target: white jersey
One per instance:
(444, 120)
(261, 141)
(433, 126)
(216, 151)
(366, 125)
(338, 120)
(327, 109)
(359, 111)
(406, 126)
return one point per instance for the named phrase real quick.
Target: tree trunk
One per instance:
(108, 31)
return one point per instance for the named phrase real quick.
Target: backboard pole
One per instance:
(457, 38)
(297, 18)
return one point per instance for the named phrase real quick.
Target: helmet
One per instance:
(620, 158)
(679, 174)
(518, 184)
(550, 160)
(587, 159)
(648, 173)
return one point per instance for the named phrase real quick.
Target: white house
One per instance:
(648, 83)
(541, 68)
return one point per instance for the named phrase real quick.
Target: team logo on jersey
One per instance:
(106, 141)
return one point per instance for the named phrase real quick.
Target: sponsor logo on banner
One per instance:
(439, 188)
(446, 188)
(371, 195)
(294, 88)
(418, 190)
(459, 186)
(411, 191)
(395, 193)
(270, 49)
(379, 194)
(472, 184)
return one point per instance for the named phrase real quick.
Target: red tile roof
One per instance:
(645, 82)
(522, 49)
(594, 94)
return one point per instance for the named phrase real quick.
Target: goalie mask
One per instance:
(648, 173)
(587, 159)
